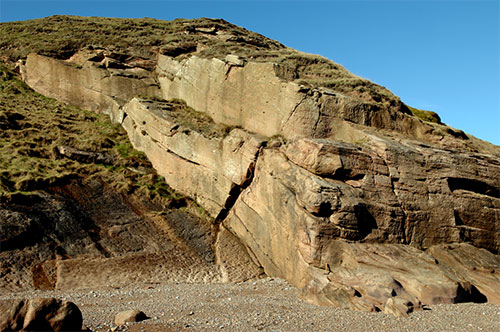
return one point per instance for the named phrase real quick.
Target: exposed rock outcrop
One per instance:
(80, 208)
(343, 193)
(399, 278)
(106, 85)
(211, 168)
(248, 94)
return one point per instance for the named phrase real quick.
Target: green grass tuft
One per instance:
(428, 116)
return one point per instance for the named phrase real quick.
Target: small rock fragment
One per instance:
(234, 60)
(398, 306)
(129, 316)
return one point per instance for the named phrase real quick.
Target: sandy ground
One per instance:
(261, 305)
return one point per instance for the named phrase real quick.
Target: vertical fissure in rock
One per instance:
(236, 190)
(294, 110)
(405, 238)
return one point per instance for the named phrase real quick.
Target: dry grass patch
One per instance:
(61, 36)
(187, 117)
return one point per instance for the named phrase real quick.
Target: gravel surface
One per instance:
(260, 305)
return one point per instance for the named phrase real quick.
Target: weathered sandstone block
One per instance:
(249, 96)
(94, 84)
(40, 314)
(123, 317)
(208, 169)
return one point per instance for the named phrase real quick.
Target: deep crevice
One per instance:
(472, 185)
(458, 220)
(346, 175)
(366, 221)
(236, 190)
(325, 210)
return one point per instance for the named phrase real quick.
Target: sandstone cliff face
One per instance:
(212, 170)
(252, 95)
(292, 219)
(80, 208)
(105, 85)
(247, 95)
(359, 203)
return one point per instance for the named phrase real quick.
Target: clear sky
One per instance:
(436, 55)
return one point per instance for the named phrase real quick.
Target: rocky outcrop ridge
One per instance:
(318, 185)
(210, 167)
(254, 96)
(234, 92)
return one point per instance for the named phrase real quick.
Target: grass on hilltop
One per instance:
(428, 116)
(62, 36)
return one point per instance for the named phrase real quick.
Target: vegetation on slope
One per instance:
(428, 116)
(34, 130)
(62, 36)
(187, 117)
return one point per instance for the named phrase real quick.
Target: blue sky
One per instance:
(437, 55)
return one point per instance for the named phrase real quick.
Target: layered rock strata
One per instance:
(210, 168)
(93, 81)
(86, 235)
(356, 202)
(234, 92)
(309, 194)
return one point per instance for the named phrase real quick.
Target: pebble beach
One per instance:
(266, 304)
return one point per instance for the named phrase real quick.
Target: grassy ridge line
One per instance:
(61, 36)
(32, 127)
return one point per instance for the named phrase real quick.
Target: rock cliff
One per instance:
(79, 207)
(327, 180)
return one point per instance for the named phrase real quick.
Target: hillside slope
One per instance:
(74, 195)
(309, 172)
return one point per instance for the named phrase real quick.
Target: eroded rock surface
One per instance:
(86, 235)
(211, 168)
(303, 195)
(311, 192)
(235, 92)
